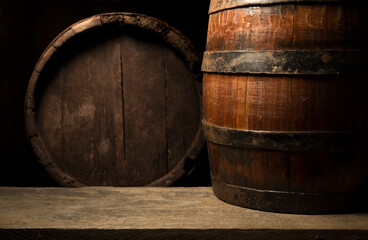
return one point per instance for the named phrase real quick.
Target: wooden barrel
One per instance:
(114, 101)
(285, 104)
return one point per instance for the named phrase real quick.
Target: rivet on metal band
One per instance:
(315, 62)
(312, 141)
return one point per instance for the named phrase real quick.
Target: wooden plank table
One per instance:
(156, 213)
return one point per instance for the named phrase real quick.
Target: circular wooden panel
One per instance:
(114, 101)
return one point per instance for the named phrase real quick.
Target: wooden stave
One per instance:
(220, 179)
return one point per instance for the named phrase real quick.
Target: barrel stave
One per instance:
(314, 178)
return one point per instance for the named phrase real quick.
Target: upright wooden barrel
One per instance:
(114, 101)
(285, 104)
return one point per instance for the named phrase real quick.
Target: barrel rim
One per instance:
(220, 5)
(310, 141)
(294, 62)
(289, 201)
(172, 36)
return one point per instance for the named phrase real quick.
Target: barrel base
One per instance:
(289, 202)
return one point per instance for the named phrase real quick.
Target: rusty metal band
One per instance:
(304, 62)
(289, 202)
(311, 141)
(220, 5)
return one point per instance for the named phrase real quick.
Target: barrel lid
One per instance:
(220, 5)
(101, 85)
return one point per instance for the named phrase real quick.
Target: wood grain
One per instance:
(114, 101)
(144, 111)
(266, 102)
(74, 106)
(301, 26)
(156, 213)
(180, 94)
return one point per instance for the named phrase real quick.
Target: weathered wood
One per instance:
(240, 96)
(109, 98)
(220, 5)
(156, 213)
(144, 110)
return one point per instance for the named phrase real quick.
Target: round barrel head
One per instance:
(114, 101)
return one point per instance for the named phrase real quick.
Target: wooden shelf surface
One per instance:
(157, 213)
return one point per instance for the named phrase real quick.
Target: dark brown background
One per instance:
(27, 27)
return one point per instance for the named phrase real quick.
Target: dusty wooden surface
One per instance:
(107, 212)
